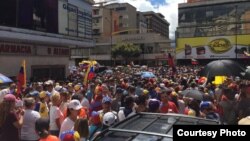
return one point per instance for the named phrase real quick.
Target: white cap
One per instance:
(162, 85)
(74, 104)
(49, 82)
(58, 88)
(109, 118)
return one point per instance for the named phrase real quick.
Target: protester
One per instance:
(207, 108)
(81, 126)
(128, 110)
(166, 105)
(73, 110)
(56, 116)
(42, 129)
(9, 123)
(28, 132)
(153, 106)
(95, 124)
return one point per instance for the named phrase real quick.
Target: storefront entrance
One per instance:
(43, 73)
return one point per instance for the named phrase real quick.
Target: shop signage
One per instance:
(58, 51)
(133, 38)
(15, 48)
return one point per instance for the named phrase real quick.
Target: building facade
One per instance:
(141, 23)
(156, 23)
(212, 29)
(42, 32)
(154, 47)
(127, 26)
(125, 20)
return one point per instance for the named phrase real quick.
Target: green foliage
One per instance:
(126, 50)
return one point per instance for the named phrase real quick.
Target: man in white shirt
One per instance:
(28, 131)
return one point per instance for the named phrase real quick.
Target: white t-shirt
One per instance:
(67, 124)
(121, 115)
(28, 131)
(55, 113)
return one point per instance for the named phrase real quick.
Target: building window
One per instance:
(125, 16)
(96, 12)
(209, 14)
(125, 25)
(96, 20)
(120, 24)
(96, 31)
(120, 9)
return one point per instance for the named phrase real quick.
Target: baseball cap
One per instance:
(42, 94)
(49, 82)
(205, 105)
(106, 99)
(58, 88)
(145, 91)
(77, 87)
(109, 119)
(69, 135)
(34, 93)
(125, 92)
(70, 84)
(9, 98)
(162, 85)
(153, 104)
(74, 104)
(95, 116)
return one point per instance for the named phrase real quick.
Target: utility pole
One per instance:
(111, 37)
(236, 33)
(101, 3)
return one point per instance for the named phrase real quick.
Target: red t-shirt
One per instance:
(50, 138)
(165, 108)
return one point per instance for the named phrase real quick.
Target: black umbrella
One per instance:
(222, 68)
(193, 93)
(246, 74)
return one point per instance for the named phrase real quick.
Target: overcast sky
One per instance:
(168, 8)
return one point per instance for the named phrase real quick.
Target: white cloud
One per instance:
(168, 9)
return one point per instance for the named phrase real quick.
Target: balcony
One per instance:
(96, 25)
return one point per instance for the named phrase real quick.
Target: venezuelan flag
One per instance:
(90, 74)
(21, 77)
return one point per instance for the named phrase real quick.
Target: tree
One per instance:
(126, 50)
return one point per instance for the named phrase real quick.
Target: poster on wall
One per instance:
(213, 47)
(62, 17)
(72, 15)
(81, 22)
(75, 18)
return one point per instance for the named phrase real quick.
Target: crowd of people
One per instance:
(72, 111)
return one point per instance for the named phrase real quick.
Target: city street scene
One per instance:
(123, 70)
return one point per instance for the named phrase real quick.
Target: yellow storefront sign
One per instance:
(212, 47)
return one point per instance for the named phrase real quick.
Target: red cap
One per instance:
(69, 137)
(10, 98)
